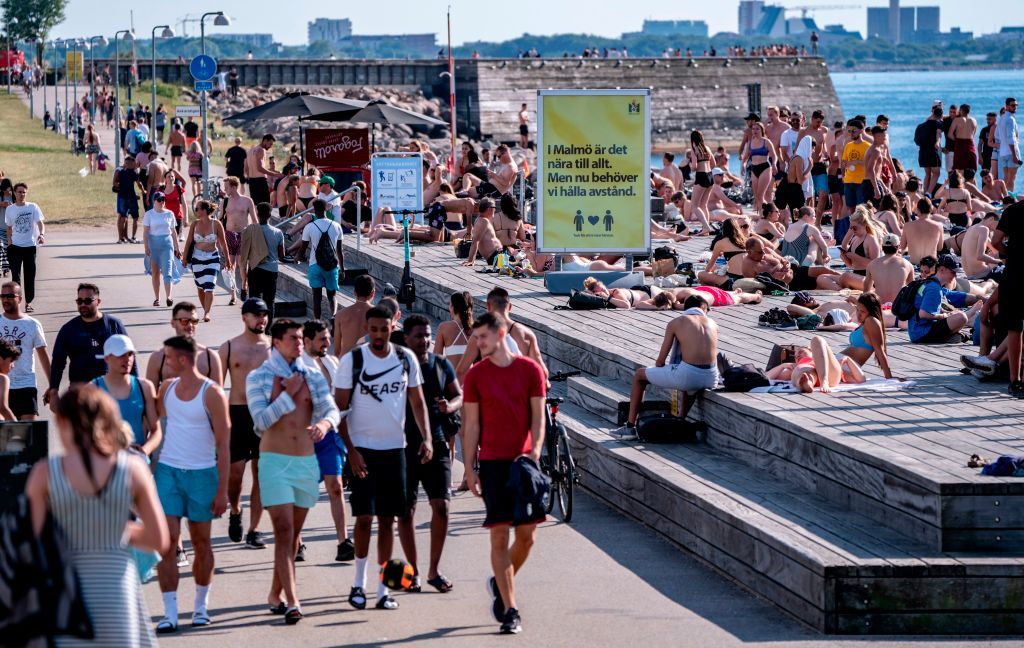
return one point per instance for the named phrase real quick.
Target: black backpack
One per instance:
(903, 306)
(921, 136)
(662, 427)
(357, 369)
(325, 255)
(452, 421)
(743, 378)
(580, 300)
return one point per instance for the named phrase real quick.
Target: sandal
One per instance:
(156, 302)
(416, 587)
(232, 302)
(279, 609)
(387, 603)
(293, 616)
(169, 302)
(977, 461)
(200, 619)
(166, 626)
(357, 598)
(440, 583)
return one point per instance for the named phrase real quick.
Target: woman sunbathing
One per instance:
(818, 368)
(654, 298)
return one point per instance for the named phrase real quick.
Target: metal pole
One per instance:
(359, 219)
(92, 79)
(451, 96)
(117, 103)
(152, 105)
(42, 66)
(56, 105)
(203, 138)
(7, 71)
(74, 61)
(67, 129)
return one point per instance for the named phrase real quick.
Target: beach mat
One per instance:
(874, 384)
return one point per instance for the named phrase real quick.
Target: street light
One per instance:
(67, 131)
(117, 94)
(10, 21)
(101, 41)
(56, 104)
(166, 33)
(220, 21)
(74, 61)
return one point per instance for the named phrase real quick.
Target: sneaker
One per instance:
(300, 556)
(243, 294)
(1016, 389)
(253, 541)
(497, 605)
(235, 527)
(182, 557)
(981, 363)
(625, 433)
(512, 624)
(346, 551)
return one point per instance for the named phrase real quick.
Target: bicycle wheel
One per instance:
(567, 473)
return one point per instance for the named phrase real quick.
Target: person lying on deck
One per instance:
(655, 298)
(798, 277)
(817, 367)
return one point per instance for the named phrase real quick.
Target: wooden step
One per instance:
(834, 569)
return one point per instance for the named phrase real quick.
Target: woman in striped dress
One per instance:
(91, 491)
(208, 246)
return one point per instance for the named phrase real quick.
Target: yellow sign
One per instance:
(593, 171)
(75, 62)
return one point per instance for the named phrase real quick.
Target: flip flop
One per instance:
(440, 583)
(280, 608)
(357, 598)
(200, 619)
(416, 586)
(293, 616)
(166, 626)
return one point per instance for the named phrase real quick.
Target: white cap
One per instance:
(118, 345)
(717, 171)
(839, 316)
(891, 240)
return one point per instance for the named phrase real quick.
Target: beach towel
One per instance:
(874, 384)
(177, 269)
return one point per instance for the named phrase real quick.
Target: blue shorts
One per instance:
(854, 194)
(127, 207)
(320, 278)
(186, 493)
(1006, 161)
(330, 454)
(289, 479)
(820, 183)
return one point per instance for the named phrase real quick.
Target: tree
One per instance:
(35, 19)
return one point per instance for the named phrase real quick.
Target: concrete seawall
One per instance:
(711, 94)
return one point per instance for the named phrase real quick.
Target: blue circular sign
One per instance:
(203, 67)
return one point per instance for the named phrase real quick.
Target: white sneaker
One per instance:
(984, 364)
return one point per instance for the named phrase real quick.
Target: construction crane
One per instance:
(803, 9)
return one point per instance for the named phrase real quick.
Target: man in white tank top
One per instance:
(191, 475)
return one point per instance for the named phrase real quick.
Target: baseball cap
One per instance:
(254, 306)
(839, 316)
(947, 261)
(118, 345)
(159, 195)
(326, 179)
(891, 240)
(753, 117)
(717, 171)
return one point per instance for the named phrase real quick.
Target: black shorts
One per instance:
(802, 280)
(1011, 307)
(435, 475)
(382, 491)
(940, 333)
(524, 130)
(703, 179)
(928, 158)
(791, 195)
(259, 190)
(245, 445)
(835, 185)
(23, 401)
(499, 499)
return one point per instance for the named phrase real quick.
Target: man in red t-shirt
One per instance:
(503, 417)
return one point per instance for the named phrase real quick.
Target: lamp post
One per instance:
(117, 95)
(67, 70)
(166, 33)
(56, 104)
(221, 21)
(74, 61)
(93, 42)
(10, 21)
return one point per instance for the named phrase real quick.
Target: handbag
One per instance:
(743, 378)
(462, 247)
(662, 427)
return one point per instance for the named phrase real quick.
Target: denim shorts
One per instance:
(186, 493)
(853, 194)
(1006, 161)
(127, 207)
(320, 278)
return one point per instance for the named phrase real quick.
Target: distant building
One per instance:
(928, 19)
(1007, 33)
(758, 19)
(410, 44)
(833, 33)
(907, 24)
(878, 22)
(252, 40)
(750, 16)
(695, 28)
(329, 30)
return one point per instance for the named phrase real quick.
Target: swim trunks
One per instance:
(289, 479)
(234, 240)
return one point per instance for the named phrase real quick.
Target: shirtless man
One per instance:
(875, 161)
(922, 237)
(156, 174)
(816, 130)
(242, 355)
(350, 322)
(696, 337)
(524, 127)
(835, 179)
(962, 134)
(257, 175)
(292, 406)
(671, 171)
(889, 272)
(505, 176)
(240, 212)
(797, 277)
(485, 239)
(184, 321)
(175, 146)
(774, 127)
(522, 340)
(992, 190)
(975, 248)
(720, 205)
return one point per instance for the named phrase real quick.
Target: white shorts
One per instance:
(683, 376)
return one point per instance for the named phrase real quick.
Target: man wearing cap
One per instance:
(240, 356)
(720, 205)
(330, 196)
(26, 334)
(239, 212)
(135, 397)
(888, 273)
(932, 323)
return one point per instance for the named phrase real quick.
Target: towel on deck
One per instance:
(874, 384)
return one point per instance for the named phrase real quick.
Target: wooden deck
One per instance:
(843, 509)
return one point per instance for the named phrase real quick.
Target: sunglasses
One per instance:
(187, 320)
(158, 199)
(8, 295)
(744, 226)
(86, 301)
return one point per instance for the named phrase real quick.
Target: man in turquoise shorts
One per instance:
(292, 409)
(326, 261)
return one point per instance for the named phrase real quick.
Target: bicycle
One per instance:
(211, 191)
(556, 458)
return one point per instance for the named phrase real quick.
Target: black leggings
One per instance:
(24, 256)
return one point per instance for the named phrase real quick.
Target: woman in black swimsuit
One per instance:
(759, 152)
(768, 226)
(956, 201)
(700, 159)
(860, 247)
(731, 243)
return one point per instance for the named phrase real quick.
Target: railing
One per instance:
(359, 213)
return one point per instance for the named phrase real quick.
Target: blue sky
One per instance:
(487, 20)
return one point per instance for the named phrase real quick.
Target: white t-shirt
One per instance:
(373, 424)
(313, 230)
(786, 141)
(26, 334)
(160, 223)
(1007, 133)
(333, 207)
(803, 150)
(24, 223)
